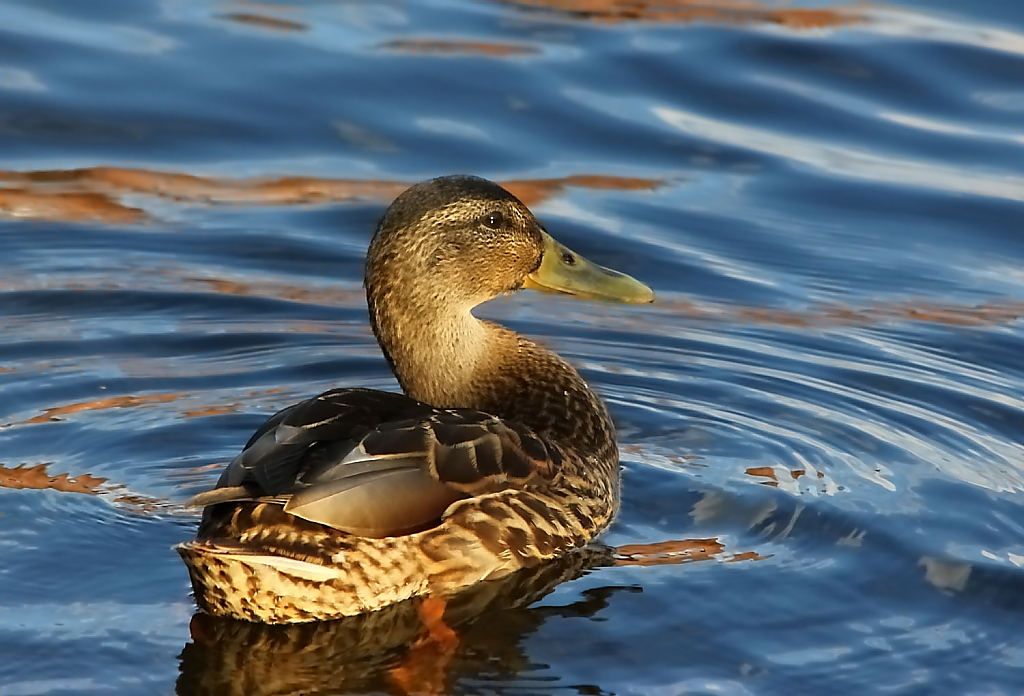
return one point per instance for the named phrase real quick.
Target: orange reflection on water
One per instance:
(66, 206)
(536, 191)
(36, 477)
(987, 313)
(93, 194)
(687, 11)
(329, 295)
(229, 408)
(764, 472)
(678, 551)
(457, 47)
(992, 313)
(54, 414)
(770, 473)
(285, 190)
(215, 410)
(263, 21)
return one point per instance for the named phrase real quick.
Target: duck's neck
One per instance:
(436, 358)
(454, 360)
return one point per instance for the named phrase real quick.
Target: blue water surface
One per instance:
(821, 418)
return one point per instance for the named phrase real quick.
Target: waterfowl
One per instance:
(497, 456)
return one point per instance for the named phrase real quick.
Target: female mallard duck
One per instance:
(498, 456)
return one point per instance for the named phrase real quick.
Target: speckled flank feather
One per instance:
(279, 569)
(497, 457)
(237, 658)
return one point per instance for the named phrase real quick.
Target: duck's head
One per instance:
(457, 241)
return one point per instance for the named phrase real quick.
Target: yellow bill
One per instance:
(563, 270)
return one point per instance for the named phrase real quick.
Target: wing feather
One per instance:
(380, 464)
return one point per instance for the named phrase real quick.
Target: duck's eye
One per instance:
(493, 220)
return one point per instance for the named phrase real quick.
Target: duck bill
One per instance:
(563, 270)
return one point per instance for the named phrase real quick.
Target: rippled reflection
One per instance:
(38, 478)
(451, 47)
(390, 649)
(264, 21)
(96, 194)
(672, 11)
(369, 652)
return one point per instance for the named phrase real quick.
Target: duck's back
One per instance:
(354, 499)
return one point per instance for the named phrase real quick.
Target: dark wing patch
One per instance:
(470, 450)
(313, 434)
(381, 464)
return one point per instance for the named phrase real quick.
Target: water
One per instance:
(821, 418)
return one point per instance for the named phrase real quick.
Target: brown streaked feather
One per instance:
(469, 450)
(329, 462)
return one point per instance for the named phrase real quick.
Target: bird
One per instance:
(496, 455)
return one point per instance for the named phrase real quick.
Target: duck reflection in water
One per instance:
(391, 650)
(402, 650)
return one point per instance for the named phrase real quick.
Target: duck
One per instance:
(495, 456)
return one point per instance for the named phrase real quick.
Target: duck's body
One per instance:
(497, 457)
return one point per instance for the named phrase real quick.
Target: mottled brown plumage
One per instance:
(497, 457)
(357, 654)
